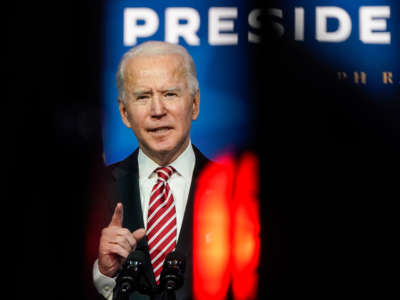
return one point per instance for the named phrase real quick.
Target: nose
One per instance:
(157, 109)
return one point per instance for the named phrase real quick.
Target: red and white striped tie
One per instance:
(161, 221)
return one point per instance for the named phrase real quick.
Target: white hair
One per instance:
(153, 48)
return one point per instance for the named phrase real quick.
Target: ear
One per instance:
(124, 113)
(196, 105)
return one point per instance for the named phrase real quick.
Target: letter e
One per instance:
(371, 20)
(218, 21)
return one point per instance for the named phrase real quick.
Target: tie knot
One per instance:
(164, 173)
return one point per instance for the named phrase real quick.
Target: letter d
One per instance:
(344, 29)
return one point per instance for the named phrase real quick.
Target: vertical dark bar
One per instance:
(52, 119)
(328, 153)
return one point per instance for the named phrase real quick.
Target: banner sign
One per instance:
(358, 40)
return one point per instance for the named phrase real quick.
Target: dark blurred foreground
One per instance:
(53, 146)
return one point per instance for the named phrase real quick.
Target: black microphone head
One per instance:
(176, 259)
(172, 275)
(137, 255)
(175, 255)
(128, 278)
(134, 260)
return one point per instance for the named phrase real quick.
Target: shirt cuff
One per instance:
(104, 284)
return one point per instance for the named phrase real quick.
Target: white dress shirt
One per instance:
(179, 183)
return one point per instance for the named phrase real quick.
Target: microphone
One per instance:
(172, 274)
(127, 280)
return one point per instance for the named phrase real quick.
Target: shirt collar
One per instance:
(184, 164)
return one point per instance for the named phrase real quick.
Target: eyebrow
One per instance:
(172, 89)
(142, 91)
(139, 92)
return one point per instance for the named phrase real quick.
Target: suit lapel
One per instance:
(131, 201)
(126, 187)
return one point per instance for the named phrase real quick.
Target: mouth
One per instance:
(160, 130)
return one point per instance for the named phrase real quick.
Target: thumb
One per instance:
(139, 234)
(118, 216)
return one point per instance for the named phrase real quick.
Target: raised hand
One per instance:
(116, 243)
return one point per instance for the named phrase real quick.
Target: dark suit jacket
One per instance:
(124, 188)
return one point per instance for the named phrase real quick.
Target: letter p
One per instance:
(134, 30)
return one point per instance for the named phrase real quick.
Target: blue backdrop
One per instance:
(222, 73)
(223, 68)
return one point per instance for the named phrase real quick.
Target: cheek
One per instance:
(135, 118)
(187, 118)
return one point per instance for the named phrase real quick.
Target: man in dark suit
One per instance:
(153, 189)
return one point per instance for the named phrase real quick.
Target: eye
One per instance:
(142, 97)
(171, 94)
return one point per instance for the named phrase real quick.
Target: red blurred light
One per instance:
(226, 228)
(211, 239)
(245, 230)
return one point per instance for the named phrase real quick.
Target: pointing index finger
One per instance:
(118, 216)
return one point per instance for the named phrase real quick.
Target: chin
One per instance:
(163, 147)
(167, 146)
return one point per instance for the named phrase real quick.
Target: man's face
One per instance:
(159, 106)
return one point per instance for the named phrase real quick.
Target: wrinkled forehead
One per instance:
(146, 65)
